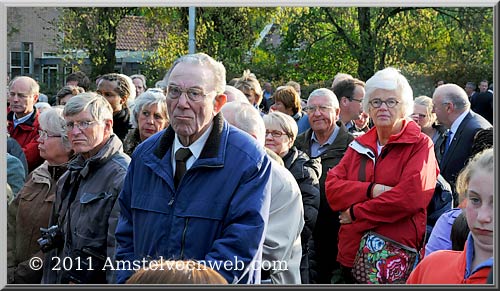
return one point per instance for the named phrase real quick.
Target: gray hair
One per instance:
(52, 121)
(33, 85)
(98, 106)
(427, 102)
(217, 68)
(147, 99)
(234, 94)
(390, 79)
(454, 94)
(284, 121)
(245, 117)
(332, 98)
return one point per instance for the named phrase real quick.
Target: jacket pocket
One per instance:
(150, 203)
(195, 224)
(91, 219)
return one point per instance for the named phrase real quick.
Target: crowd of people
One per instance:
(199, 181)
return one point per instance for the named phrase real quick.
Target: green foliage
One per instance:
(93, 30)
(426, 44)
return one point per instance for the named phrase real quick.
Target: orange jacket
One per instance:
(448, 267)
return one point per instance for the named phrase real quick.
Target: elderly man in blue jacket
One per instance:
(210, 204)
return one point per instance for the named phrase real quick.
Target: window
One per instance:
(50, 76)
(15, 64)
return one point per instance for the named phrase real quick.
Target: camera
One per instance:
(51, 238)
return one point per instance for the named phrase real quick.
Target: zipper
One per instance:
(183, 240)
(172, 200)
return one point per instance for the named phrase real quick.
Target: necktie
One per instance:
(448, 142)
(181, 156)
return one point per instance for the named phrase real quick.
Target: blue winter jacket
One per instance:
(216, 215)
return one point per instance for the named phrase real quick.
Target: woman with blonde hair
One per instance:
(250, 86)
(281, 132)
(472, 265)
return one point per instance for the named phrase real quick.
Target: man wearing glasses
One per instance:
(328, 139)
(199, 189)
(22, 118)
(80, 238)
(350, 93)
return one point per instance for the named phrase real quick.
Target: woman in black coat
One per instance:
(281, 131)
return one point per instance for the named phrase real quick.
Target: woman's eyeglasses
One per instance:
(45, 135)
(376, 103)
(275, 133)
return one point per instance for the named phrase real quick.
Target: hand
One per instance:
(345, 217)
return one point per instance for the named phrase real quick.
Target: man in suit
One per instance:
(470, 88)
(452, 108)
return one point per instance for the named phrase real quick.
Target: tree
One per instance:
(92, 29)
(225, 33)
(361, 40)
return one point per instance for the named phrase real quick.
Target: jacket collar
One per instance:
(30, 122)
(211, 148)
(409, 133)
(110, 148)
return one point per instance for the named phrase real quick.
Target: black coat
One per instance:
(461, 147)
(307, 172)
(121, 123)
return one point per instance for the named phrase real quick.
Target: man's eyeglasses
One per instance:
(322, 108)
(419, 115)
(193, 94)
(45, 135)
(81, 125)
(357, 100)
(376, 103)
(275, 133)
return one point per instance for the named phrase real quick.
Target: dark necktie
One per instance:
(448, 142)
(181, 156)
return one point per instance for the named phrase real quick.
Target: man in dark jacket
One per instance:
(201, 187)
(328, 139)
(22, 118)
(85, 210)
(452, 108)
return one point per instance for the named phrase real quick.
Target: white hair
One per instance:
(247, 118)
(390, 79)
(332, 98)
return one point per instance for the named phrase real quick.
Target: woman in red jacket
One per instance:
(387, 176)
(472, 265)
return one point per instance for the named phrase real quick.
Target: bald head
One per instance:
(449, 102)
(245, 117)
(234, 94)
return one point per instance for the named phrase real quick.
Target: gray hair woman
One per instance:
(31, 208)
(423, 116)
(386, 178)
(281, 131)
(149, 116)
